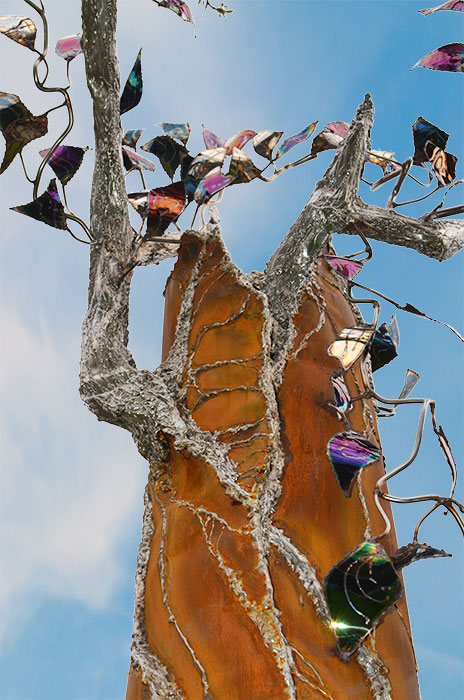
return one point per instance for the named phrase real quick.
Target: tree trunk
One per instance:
(243, 515)
(239, 534)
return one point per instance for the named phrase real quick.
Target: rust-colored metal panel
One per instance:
(227, 612)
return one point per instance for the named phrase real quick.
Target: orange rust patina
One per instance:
(207, 611)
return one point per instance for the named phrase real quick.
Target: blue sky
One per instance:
(72, 488)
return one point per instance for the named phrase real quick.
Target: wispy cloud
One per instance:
(66, 505)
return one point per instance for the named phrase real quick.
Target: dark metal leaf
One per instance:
(359, 590)
(18, 126)
(132, 93)
(46, 208)
(65, 161)
(413, 552)
(131, 137)
(169, 152)
(19, 29)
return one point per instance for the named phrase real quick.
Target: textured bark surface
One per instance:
(243, 514)
(238, 546)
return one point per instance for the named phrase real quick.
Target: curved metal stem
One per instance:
(374, 303)
(40, 84)
(83, 225)
(81, 240)
(406, 307)
(413, 201)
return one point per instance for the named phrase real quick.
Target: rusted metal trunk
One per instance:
(235, 548)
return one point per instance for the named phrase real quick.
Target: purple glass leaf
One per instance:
(179, 7)
(448, 58)
(344, 266)
(19, 29)
(348, 453)
(65, 161)
(443, 164)
(179, 131)
(349, 345)
(242, 168)
(294, 140)
(264, 142)
(131, 137)
(339, 128)
(214, 182)
(211, 140)
(342, 399)
(69, 47)
(457, 5)
(132, 159)
(239, 140)
(132, 93)
(46, 208)
(206, 161)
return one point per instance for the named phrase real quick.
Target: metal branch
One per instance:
(335, 206)
(111, 386)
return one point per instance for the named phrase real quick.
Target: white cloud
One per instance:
(68, 500)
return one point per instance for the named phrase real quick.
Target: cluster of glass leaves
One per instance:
(221, 164)
(364, 585)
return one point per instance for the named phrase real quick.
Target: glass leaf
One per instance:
(378, 158)
(19, 29)
(46, 208)
(69, 47)
(206, 161)
(410, 382)
(349, 345)
(179, 131)
(443, 164)
(382, 349)
(239, 140)
(265, 141)
(132, 93)
(423, 131)
(242, 168)
(18, 126)
(179, 7)
(169, 152)
(394, 331)
(131, 137)
(132, 159)
(214, 182)
(65, 161)
(448, 58)
(211, 140)
(295, 140)
(359, 590)
(457, 5)
(414, 551)
(344, 266)
(348, 453)
(165, 205)
(342, 399)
